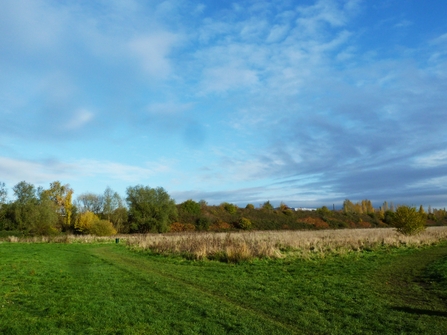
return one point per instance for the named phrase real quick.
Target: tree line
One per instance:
(40, 211)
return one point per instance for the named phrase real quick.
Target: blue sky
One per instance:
(306, 102)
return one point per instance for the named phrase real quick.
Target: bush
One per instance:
(230, 208)
(244, 223)
(202, 223)
(180, 227)
(84, 221)
(190, 207)
(220, 226)
(408, 221)
(102, 228)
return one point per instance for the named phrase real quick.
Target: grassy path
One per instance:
(106, 289)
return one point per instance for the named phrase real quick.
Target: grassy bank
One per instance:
(104, 288)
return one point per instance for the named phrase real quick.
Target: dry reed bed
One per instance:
(235, 246)
(275, 244)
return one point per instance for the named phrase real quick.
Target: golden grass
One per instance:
(237, 246)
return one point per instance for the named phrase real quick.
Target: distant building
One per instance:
(306, 209)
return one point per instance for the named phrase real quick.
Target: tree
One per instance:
(244, 223)
(46, 217)
(150, 209)
(61, 195)
(408, 221)
(191, 207)
(32, 212)
(24, 192)
(84, 221)
(230, 208)
(348, 206)
(3, 194)
(267, 206)
(90, 202)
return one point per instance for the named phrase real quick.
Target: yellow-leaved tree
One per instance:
(61, 195)
(89, 223)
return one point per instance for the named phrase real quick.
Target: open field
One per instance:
(104, 288)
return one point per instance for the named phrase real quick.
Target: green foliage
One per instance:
(202, 223)
(250, 206)
(150, 209)
(190, 207)
(230, 208)
(267, 206)
(102, 228)
(324, 211)
(119, 218)
(408, 221)
(389, 217)
(244, 223)
(25, 193)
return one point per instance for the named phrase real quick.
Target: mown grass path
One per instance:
(107, 289)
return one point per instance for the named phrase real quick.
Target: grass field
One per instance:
(104, 288)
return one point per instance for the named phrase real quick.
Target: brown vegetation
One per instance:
(275, 244)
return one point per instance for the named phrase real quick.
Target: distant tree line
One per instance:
(39, 211)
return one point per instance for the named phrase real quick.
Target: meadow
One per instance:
(369, 281)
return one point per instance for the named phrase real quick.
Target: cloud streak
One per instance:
(255, 99)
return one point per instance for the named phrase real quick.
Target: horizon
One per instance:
(307, 103)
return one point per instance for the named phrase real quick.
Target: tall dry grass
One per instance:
(276, 244)
(62, 239)
(237, 246)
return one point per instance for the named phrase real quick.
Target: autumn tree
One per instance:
(408, 220)
(61, 195)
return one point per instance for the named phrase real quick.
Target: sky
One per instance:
(303, 102)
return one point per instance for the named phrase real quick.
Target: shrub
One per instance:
(202, 223)
(220, 226)
(408, 221)
(179, 227)
(176, 227)
(288, 212)
(267, 206)
(84, 221)
(102, 228)
(244, 223)
(230, 208)
(191, 207)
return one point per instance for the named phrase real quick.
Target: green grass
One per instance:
(107, 289)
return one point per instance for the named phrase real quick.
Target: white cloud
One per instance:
(435, 159)
(403, 24)
(80, 118)
(168, 109)
(277, 33)
(41, 172)
(221, 79)
(153, 51)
